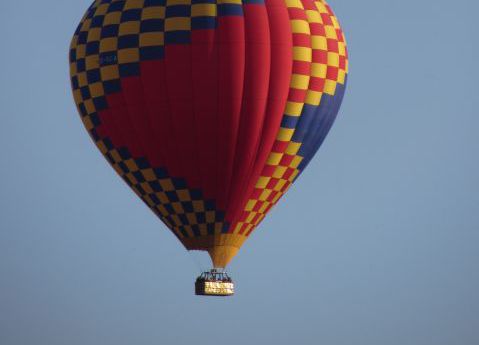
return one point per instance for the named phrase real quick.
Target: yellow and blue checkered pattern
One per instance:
(183, 210)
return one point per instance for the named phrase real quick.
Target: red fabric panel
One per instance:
(205, 105)
(156, 104)
(180, 99)
(132, 90)
(116, 121)
(280, 75)
(231, 67)
(255, 93)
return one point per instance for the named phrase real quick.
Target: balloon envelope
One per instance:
(209, 110)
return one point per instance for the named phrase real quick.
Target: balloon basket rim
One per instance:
(215, 282)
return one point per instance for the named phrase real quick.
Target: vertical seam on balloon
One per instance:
(246, 180)
(168, 103)
(241, 226)
(239, 123)
(232, 163)
(148, 115)
(228, 199)
(218, 70)
(295, 148)
(254, 217)
(195, 120)
(241, 178)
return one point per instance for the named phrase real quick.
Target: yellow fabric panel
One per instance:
(299, 26)
(130, 163)
(87, 122)
(178, 2)
(299, 81)
(279, 185)
(176, 219)
(177, 23)
(302, 54)
(264, 207)
(146, 187)
(262, 182)
(266, 193)
(292, 148)
(128, 55)
(237, 2)
(278, 196)
(102, 9)
(208, 10)
(108, 44)
(210, 217)
(90, 107)
(129, 28)
(294, 4)
(167, 185)
(321, 7)
(333, 59)
(81, 50)
(279, 172)
(222, 255)
(162, 210)
(293, 108)
(149, 175)
(96, 89)
(293, 175)
(313, 97)
(319, 42)
(109, 72)
(198, 206)
(319, 70)
(102, 147)
(112, 18)
(341, 76)
(162, 197)
(152, 39)
(330, 87)
(274, 158)
(131, 4)
(191, 218)
(313, 17)
(250, 205)
(296, 161)
(94, 34)
(285, 134)
(156, 12)
(86, 25)
(183, 195)
(330, 32)
(238, 227)
(92, 62)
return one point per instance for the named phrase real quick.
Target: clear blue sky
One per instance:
(377, 243)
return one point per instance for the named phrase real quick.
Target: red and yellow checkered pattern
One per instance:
(320, 64)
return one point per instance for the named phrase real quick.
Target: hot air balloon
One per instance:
(209, 109)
